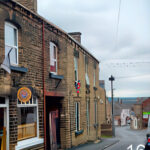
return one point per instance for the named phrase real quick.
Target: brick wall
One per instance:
(30, 52)
(30, 56)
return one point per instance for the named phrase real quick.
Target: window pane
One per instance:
(77, 116)
(53, 68)
(15, 37)
(26, 115)
(95, 111)
(75, 75)
(10, 36)
(94, 78)
(87, 79)
(2, 100)
(51, 55)
(27, 122)
(54, 52)
(76, 68)
(13, 54)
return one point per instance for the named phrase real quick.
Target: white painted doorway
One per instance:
(4, 123)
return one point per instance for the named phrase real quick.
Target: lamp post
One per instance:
(113, 127)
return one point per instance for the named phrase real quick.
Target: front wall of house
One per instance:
(29, 55)
(83, 96)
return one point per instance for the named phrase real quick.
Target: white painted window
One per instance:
(77, 115)
(53, 58)
(28, 119)
(11, 43)
(88, 115)
(95, 112)
(76, 68)
(86, 72)
(94, 77)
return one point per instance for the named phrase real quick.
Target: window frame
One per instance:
(37, 114)
(86, 71)
(96, 113)
(53, 59)
(76, 68)
(15, 47)
(77, 116)
(88, 115)
(94, 80)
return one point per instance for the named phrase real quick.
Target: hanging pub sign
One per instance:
(24, 94)
(77, 86)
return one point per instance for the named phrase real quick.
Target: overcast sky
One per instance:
(128, 60)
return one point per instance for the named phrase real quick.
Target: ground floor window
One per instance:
(77, 115)
(27, 120)
(95, 112)
(88, 115)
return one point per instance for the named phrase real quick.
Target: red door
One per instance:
(53, 116)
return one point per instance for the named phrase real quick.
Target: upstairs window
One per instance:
(86, 71)
(53, 58)
(94, 75)
(94, 83)
(11, 43)
(76, 68)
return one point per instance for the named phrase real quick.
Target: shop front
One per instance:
(4, 123)
(28, 119)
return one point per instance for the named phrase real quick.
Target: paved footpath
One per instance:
(103, 144)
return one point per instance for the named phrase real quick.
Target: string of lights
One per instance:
(135, 76)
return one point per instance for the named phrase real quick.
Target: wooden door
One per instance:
(53, 116)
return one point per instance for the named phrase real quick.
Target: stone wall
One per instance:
(30, 40)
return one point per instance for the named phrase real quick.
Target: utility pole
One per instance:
(112, 101)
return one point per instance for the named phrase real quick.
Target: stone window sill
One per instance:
(18, 69)
(95, 88)
(60, 77)
(29, 143)
(78, 132)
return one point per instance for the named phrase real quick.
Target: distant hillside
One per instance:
(127, 100)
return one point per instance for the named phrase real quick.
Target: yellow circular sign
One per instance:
(24, 94)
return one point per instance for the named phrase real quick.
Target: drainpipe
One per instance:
(43, 54)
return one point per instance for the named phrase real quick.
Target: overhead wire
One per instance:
(123, 77)
(118, 21)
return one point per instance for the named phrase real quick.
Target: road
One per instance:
(129, 139)
(125, 137)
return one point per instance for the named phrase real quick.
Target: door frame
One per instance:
(6, 106)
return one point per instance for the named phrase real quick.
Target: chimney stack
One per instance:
(76, 36)
(30, 4)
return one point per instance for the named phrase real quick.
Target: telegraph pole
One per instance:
(112, 98)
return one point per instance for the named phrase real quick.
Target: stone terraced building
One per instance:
(49, 83)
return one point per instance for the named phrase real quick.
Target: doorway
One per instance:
(53, 108)
(4, 124)
(53, 129)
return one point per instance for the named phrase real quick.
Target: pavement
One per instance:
(101, 145)
(125, 139)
